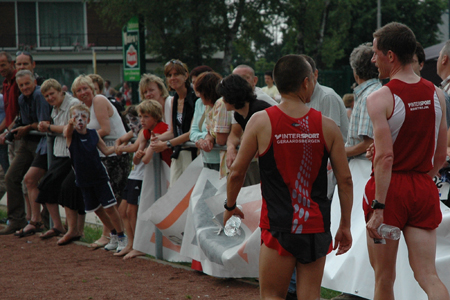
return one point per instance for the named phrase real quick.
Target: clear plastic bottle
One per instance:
(232, 227)
(387, 232)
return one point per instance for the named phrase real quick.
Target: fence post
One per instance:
(157, 173)
(50, 139)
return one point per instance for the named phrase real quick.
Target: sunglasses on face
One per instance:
(23, 52)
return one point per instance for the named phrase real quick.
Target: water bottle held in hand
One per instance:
(232, 227)
(387, 232)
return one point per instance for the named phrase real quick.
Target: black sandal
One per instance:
(38, 227)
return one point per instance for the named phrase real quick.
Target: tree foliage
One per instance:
(244, 30)
(194, 31)
(328, 30)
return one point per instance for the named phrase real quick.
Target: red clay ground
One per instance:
(31, 268)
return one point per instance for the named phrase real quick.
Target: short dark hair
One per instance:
(269, 73)
(420, 53)
(199, 70)
(361, 62)
(235, 91)
(290, 71)
(310, 61)
(206, 85)
(398, 38)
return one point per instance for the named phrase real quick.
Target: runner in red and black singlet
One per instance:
(294, 144)
(294, 175)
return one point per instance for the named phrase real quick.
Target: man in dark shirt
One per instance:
(10, 92)
(24, 61)
(30, 162)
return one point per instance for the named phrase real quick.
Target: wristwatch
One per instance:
(229, 208)
(377, 205)
(169, 144)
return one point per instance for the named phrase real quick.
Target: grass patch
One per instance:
(3, 213)
(327, 293)
(92, 233)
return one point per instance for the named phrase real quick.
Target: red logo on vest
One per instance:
(132, 60)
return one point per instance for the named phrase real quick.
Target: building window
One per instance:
(61, 24)
(51, 24)
(26, 14)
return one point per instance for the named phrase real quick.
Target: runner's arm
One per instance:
(379, 106)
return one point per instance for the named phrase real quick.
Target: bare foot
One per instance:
(101, 242)
(133, 254)
(124, 251)
(68, 238)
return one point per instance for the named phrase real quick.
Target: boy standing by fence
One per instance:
(91, 175)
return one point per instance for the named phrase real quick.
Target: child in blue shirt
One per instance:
(91, 175)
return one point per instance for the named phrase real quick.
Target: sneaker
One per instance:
(123, 241)
(113, 243)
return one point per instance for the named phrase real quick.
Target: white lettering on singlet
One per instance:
(425, 104)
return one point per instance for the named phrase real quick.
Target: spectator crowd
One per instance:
(104, 143)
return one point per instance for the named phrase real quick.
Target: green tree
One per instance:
(192, 31)
(328, 30)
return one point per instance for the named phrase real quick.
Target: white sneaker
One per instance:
(123, 241)
(113, 243)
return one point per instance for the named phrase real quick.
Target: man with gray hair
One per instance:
(360, 131)
(30, 162)
(443, 71)
(443, 67)
(248, 74)
(328, 102)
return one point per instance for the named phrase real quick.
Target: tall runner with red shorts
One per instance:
(410, 147)
(294, 144)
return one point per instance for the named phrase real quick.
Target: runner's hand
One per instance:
(374, 222)
(228, 214)
(342, 240)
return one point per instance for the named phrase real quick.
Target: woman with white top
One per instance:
(183, 106)
(106, 120)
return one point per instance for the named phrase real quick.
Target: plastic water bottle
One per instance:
(232, 227)
(387, 232)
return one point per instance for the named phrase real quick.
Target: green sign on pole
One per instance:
(131, 48)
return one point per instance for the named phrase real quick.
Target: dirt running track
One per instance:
(31, 268)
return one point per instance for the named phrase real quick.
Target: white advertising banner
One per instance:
(144, 240)
(220, 255)
(352, 272)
